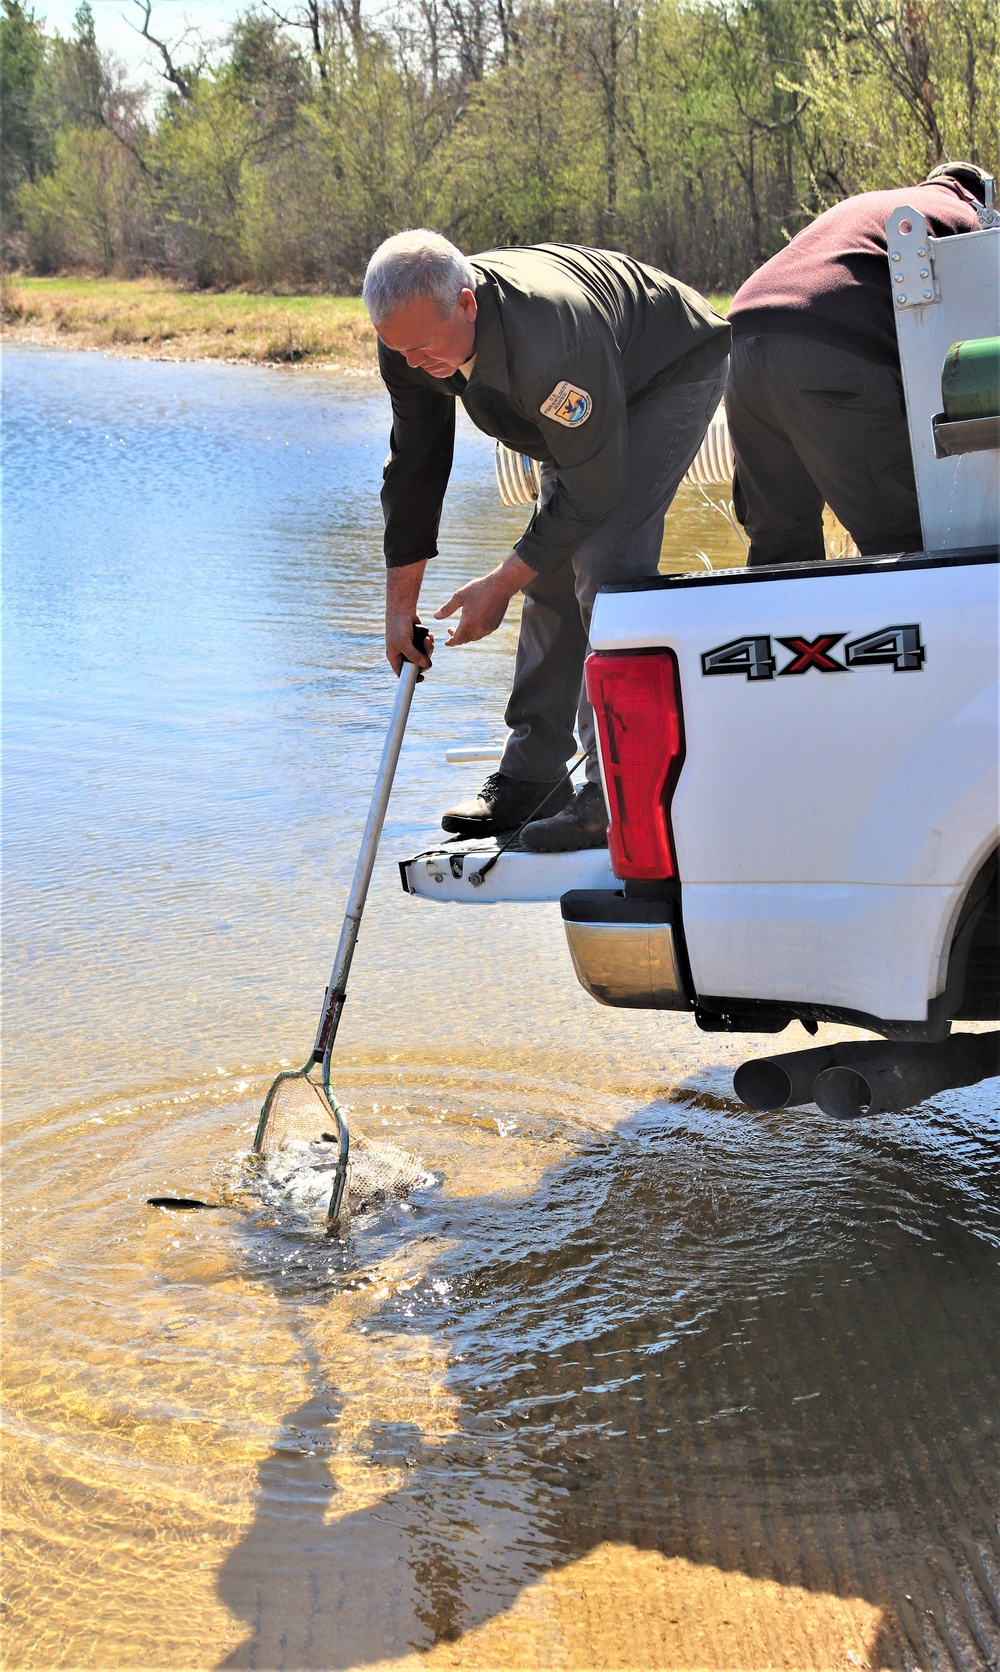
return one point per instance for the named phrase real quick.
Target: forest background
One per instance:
(696, 134)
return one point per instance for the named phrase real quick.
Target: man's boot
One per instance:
(583, 823)
(502, 804)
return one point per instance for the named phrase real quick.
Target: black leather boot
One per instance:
(502, 804)
(581, 824)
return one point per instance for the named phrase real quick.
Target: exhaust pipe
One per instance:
(904, 1075)
(786, 1081)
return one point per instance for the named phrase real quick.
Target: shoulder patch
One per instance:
(568, 405)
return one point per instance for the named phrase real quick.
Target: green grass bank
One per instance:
(151, 319)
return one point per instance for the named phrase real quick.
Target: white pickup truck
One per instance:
(801, 763)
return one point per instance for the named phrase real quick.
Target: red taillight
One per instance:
(636, 699)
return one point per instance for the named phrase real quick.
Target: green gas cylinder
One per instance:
(970, 379)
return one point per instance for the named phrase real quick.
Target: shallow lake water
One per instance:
(643, 1380)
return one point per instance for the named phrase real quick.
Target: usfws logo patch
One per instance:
(568, 405)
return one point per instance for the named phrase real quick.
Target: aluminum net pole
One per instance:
(336, 991)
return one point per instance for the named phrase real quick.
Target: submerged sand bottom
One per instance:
(644, 1381)
(625, 1608)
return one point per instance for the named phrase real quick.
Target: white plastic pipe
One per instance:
(519, 477)
(477, 752)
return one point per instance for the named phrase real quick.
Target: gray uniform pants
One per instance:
(665, 431)
(813, 423)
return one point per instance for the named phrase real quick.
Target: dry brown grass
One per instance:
(150, 318)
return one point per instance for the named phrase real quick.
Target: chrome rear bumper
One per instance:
(625, 951)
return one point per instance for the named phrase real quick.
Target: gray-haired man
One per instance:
(606, 371)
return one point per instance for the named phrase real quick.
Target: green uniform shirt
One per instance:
(566, 340)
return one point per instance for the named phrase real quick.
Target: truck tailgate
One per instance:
(454, 871)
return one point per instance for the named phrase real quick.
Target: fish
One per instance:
(185, 1202)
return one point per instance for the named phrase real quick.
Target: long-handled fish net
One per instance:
(306, 1143)
(301, 1124)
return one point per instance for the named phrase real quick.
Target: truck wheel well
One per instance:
(972, 993)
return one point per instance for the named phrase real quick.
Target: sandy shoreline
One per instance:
(186, 353)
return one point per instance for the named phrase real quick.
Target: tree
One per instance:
(89, 211)
(907, 84)
(526, 152)
(25, 149)
(697, 134)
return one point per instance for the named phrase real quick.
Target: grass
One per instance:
(154, 319)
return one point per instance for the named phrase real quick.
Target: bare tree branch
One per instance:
(170, 70)
(310, 18)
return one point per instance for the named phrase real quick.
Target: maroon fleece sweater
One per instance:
(832, 281)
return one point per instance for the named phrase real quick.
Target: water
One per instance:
(643, 1380)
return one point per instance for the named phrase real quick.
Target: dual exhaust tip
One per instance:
(869, 1078)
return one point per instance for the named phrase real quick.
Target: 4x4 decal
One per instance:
(897, 647)
(813, 655)
(900, 647)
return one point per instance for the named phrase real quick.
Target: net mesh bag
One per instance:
(301, 1145)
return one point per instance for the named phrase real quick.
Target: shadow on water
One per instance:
(771, 1367)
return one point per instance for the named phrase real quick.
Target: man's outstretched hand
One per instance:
(483, 603)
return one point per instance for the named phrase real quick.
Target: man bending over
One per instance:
(606, 371)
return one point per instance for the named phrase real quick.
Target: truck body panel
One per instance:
(862, 775)
(870, 949)
(827, 821)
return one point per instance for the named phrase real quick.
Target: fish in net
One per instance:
(300, 1149)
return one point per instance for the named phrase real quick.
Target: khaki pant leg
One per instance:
(665, 431)
(551, 647)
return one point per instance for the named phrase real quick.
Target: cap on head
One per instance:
(969, 175)
(415, 265)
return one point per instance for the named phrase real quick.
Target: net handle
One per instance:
(336, 992)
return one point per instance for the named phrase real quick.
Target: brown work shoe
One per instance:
(581, 824)
(502, 804)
